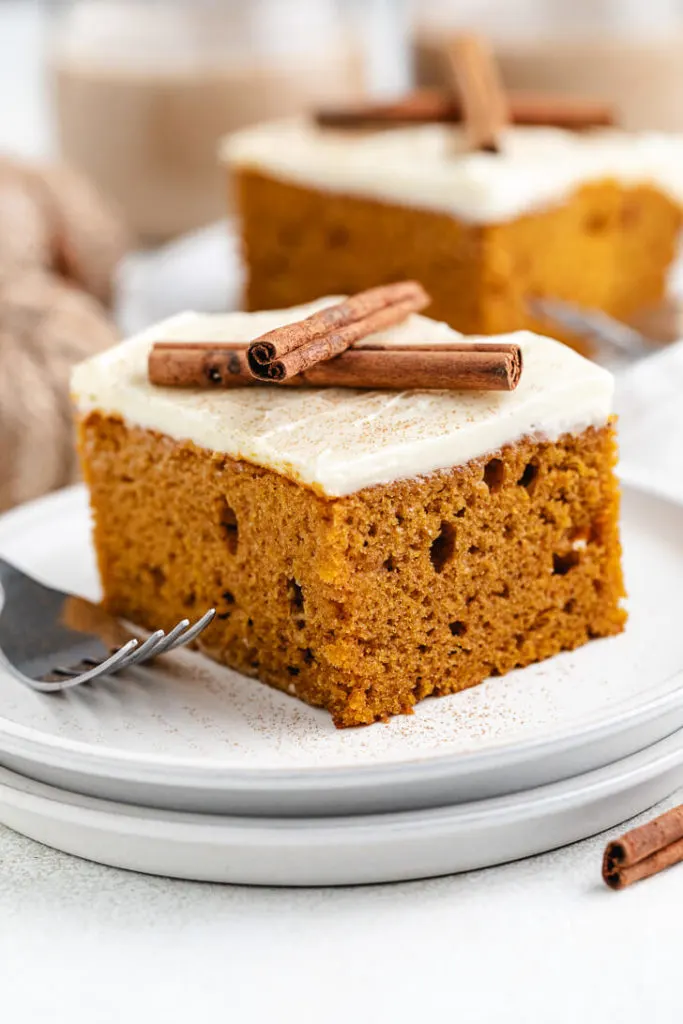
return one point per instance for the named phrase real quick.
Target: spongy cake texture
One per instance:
(367, 603)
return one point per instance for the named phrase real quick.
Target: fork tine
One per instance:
(144, 651)
(131, 653)
(78, 668)
(109, 665)
(169, 640)
(193, 632)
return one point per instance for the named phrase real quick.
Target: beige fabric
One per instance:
(24, 230)
(58, 242)
(88, 238)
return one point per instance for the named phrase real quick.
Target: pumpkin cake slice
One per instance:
(364, 549)
(590, 217)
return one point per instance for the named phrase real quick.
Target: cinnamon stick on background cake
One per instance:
(476, 79)
(434, 106)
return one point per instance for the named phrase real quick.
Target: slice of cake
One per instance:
(591, 217)
(364, 549)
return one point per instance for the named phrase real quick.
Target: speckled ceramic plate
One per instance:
(191, 735)
(343, 851)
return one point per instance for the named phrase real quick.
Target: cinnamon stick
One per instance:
(467, 366)
(433, 106)
(294, 348)
(574, 113)
(476, 79)
(198, 364)
(644, 851)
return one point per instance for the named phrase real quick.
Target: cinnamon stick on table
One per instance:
(466, 366)
(644, 851)
(434, 106)
(294, 348)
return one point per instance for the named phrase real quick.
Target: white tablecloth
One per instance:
(538, 941)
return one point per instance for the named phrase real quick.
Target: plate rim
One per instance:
(641, 766)
(352, 850)
(117, 764)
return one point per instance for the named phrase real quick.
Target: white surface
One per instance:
(202, 270)
(539, 941)
(336, 439)
(347, 850)
(417, 166)
(193, 735)
(650, 408)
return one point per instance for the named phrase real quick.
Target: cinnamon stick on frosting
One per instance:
(315, 352)
(433, 106)
(644, 851)
(295, 348)
(466, 366)
(476, 79)
(199, 364)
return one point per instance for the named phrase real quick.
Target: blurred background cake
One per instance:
(588, 217)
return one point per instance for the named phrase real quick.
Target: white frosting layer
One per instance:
(420, 166)
(338, 440)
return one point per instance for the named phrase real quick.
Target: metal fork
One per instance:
(615, 340)
(52, 641)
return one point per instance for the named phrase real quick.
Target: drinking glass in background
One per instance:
(144, 89)
(627, 51)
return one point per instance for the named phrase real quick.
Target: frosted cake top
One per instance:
(339, 440)
(420, 166)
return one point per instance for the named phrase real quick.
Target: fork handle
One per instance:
(7, 574)
(8, 571)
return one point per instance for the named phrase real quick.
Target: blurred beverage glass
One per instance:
(144, 89)
(626, 51)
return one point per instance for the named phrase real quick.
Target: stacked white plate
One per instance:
(190, 770)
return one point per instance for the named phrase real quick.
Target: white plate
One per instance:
(342, 851)
(195, 736)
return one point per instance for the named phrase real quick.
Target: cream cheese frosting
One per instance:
(339, 440)
(421, 167)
